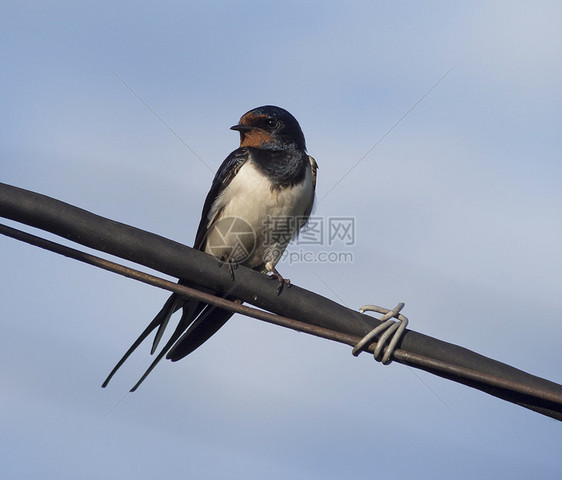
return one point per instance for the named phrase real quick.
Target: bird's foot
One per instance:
(231, 266)
(281, 281)
(389, 329)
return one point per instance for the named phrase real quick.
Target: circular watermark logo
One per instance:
(232, 239)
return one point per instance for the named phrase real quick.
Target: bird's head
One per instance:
(270, 127)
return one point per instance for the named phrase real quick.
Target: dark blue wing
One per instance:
(226, 172)
(209, 319)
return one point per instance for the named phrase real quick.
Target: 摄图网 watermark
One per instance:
(235, 240)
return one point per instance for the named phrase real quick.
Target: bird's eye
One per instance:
(271, 123)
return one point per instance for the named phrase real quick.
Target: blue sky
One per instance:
(457, 213)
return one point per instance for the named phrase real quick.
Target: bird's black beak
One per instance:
(241, 128)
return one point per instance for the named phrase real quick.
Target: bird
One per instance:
(261, 196)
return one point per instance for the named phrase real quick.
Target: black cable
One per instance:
(296, 304)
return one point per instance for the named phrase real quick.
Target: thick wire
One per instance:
(400, 356)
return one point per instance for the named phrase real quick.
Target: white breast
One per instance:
(275, 216)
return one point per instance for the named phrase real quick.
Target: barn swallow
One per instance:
(261, 196)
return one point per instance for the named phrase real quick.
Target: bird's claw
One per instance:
(387, 329)
(231, 266)
(275, 274)
(281, 284)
